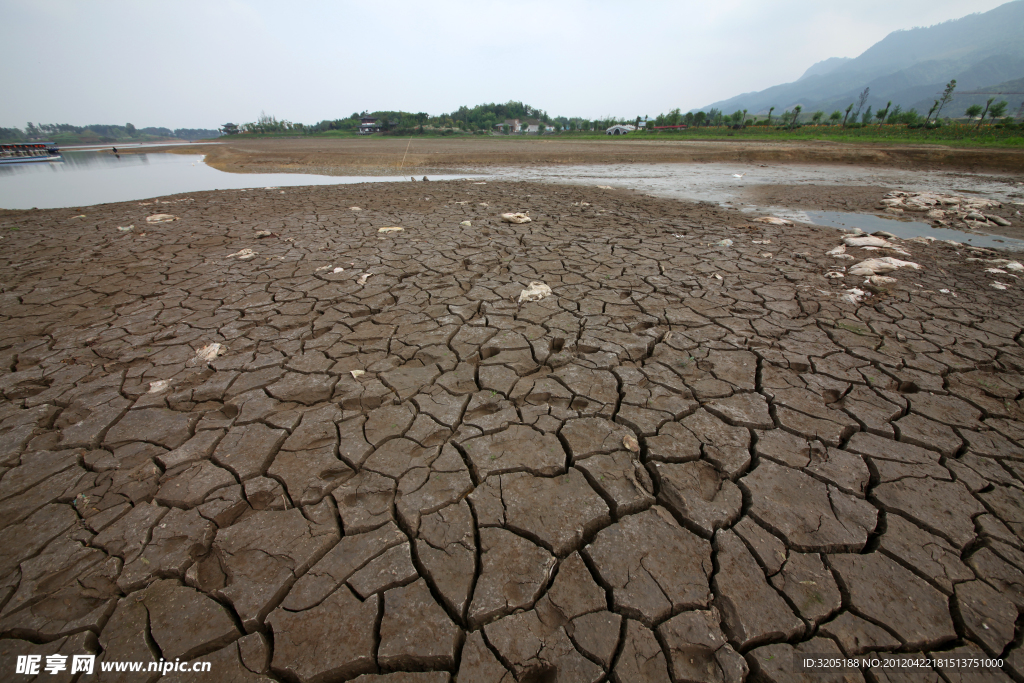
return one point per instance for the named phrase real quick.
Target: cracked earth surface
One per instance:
(687, 464)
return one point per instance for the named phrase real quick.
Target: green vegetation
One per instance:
(952, 134)
(483, 119)
(65, 133)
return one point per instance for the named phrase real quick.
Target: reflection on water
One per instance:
(903, 229)
(87, 178)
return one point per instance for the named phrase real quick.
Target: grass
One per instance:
(954, 135)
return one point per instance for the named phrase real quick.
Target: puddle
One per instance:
(903, 229)
(88, 178)
(717, 182)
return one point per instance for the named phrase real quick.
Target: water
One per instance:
(87, 178)
(904, 229)
(716, 182)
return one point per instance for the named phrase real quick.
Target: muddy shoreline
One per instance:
(269, 418)
(395, 156)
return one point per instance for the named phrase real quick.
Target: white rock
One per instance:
(515, 218)
(878, 266)
(534, 292)
(866, 241)
(244, 254)
(159, 386)
(207, 353)
(854, 296)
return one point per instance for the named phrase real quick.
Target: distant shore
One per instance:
(395, 156)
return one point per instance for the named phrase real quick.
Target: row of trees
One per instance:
(857, 113)
(100, 131)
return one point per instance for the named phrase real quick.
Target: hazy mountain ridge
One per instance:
(824, 66)
(910, 68)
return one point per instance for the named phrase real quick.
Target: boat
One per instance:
(26, 152)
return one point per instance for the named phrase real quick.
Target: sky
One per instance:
(202, 63)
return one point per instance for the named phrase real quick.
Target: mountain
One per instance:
(911, 68)
(825, 66)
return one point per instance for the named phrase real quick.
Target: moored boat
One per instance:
(24, 152)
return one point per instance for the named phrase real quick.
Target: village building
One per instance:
(513, 126)
(368, 125)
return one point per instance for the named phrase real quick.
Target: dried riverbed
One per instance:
(699, 456)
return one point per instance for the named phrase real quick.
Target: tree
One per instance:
(540, 129)
(848, 110)
(796, 115)
(817, 116)
(931, 111)
(997, 111)
(130, 128)
(699, 118)
(835, 116)
(770, 115)
(882, 113)
(861, 101)
(984, 113)
(947, 95)
(972, 111)
(744, 117)
(895, 114)
(866, 118)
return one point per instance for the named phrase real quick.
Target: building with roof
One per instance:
(368, 125)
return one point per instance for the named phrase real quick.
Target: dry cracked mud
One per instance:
(691, 461)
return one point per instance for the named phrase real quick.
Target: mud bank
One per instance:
(708, 450)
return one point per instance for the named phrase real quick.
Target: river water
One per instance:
(88, 177)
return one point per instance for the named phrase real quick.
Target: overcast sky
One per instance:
(201, 63)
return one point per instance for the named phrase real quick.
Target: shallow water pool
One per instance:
(88, 178)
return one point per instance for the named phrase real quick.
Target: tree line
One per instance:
(100, 132)
(855, 114)
(482, 118)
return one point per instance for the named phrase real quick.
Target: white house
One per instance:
(368, 125)
(513, 125)
(619, 130)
